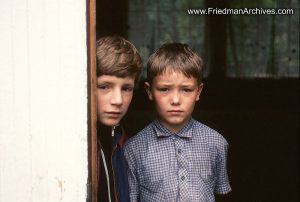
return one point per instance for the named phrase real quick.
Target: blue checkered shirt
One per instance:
(187, 166)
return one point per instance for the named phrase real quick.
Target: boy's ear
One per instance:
(148, 90)
(200, 87)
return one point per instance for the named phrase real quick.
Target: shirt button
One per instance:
(182, 178)
(179, 151)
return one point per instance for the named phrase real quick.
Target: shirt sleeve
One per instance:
(132, 174)
(222, 185)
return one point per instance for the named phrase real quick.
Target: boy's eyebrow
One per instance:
(128, 84)
(112, 83)
(181, 85)
(104, 82)
(164, 84)
(187, 85)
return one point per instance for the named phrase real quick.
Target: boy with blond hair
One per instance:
(176, 158)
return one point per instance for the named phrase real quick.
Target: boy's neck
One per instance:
(174, 128)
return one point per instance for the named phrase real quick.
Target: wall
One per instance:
(43, 101)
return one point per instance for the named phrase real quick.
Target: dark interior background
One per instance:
(259, 116)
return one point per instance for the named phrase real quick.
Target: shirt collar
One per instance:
(185, 132)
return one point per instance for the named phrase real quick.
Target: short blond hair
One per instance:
(175, 57)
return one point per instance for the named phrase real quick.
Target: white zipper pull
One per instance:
(113, 131)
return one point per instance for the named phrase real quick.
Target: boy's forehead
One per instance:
(173, 77)
(113, 79)
(170, 70)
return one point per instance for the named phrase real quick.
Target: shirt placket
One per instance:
(182, 160)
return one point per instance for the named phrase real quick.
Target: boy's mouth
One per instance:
(175, 112)
(113, 114)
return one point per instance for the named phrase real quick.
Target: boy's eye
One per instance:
(187, 90)
(127, 88)
(163, 89)
(103, 86)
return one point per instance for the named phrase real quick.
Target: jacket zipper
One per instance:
(112, 166)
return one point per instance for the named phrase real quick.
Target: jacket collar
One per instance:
(123, 137)
(116, 134)
(120, 136)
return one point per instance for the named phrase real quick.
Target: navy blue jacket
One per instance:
(118, 165)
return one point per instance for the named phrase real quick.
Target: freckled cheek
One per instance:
(162, 98)
(101, 100)
(100, 108)
(161, 105)
(191, 106)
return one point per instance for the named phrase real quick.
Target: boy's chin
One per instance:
(175, 122)
(110, 122)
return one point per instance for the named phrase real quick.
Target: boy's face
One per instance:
(175, 96)
(114, 95)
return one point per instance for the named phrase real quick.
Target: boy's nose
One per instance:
(116, 98)
(175, 99)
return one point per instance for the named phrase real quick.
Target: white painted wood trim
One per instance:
(43, 101)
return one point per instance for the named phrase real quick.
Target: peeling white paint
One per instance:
(43, 101)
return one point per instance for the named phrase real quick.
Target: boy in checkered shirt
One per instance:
(176, 158)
